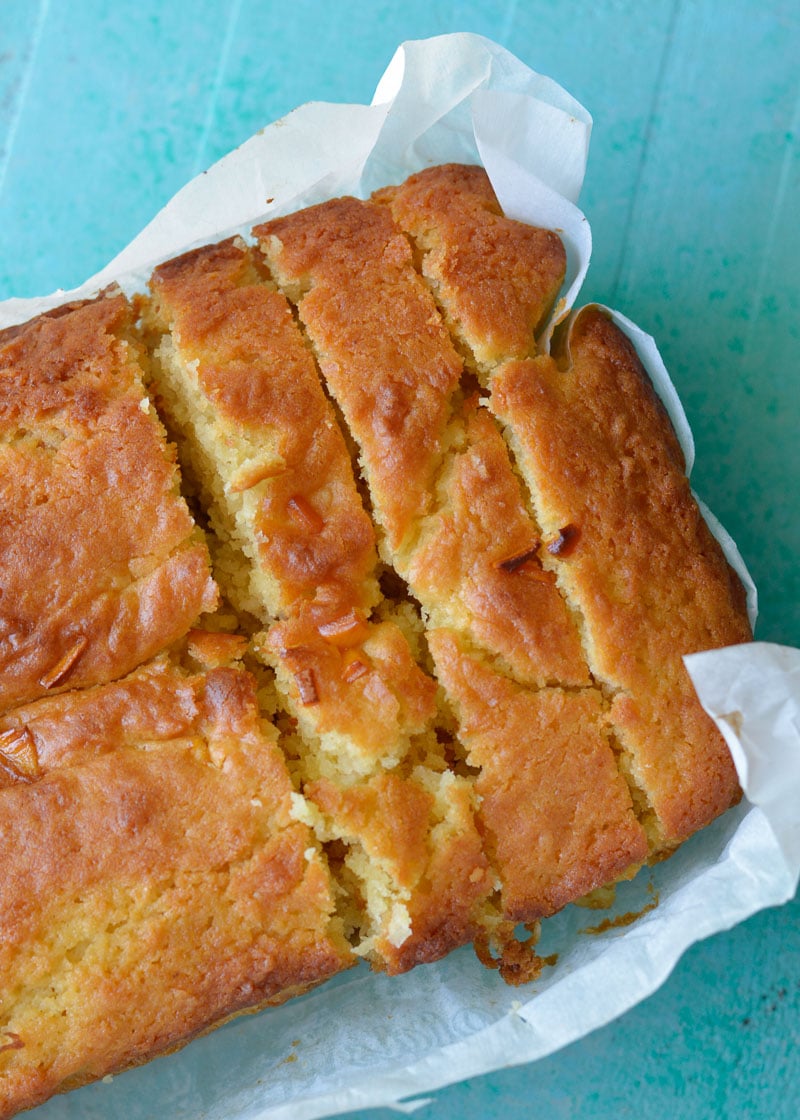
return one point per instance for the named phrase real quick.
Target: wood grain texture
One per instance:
(693, 190)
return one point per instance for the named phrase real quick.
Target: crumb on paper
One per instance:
(736, 721)
(624, 919)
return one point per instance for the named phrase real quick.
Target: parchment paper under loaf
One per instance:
(367, 1040)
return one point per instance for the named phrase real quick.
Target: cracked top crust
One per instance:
(496, 279)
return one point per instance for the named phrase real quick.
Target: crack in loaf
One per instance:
(443, 690)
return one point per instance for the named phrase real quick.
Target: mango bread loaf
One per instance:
(441, 692)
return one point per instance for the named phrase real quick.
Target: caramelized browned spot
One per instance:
(306, 686)
(62, 667)
(18, 758)
(348, 629)
(513, 563)
(354, 669)
(564, 543)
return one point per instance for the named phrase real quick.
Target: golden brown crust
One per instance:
(556, 815)
(647, 577)
(99, 564)
(372, 691)
(477, 567)
(443, 871)
(313, 533)
(154, 880)
(397, 336)
(496, 279)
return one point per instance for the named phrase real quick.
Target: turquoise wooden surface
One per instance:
(693, 191)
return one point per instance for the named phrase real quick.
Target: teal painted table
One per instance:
(693, 192)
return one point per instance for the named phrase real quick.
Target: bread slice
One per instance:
(156, 879)
(101, 566)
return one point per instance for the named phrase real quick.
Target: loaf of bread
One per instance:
(434, 688)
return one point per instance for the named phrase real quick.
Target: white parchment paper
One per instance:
(366, 1039)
